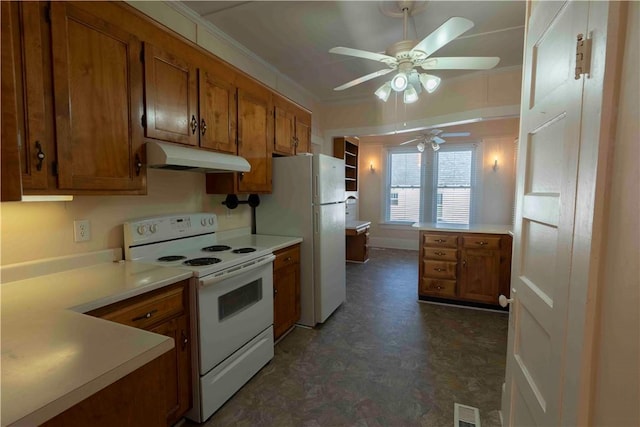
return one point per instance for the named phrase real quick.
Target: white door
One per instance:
(549, 329)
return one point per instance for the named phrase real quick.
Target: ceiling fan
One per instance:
(407, 55)
(435, 137)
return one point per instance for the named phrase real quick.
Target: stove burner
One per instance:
(243, 250)
(216, 248)
(201, 261)
(170, 258)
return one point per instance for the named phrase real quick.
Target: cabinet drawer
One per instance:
(439, 269)
(441, 254)
(440, 240)
(287, 256)
(438, 287)
(485, 242)
(145, 310)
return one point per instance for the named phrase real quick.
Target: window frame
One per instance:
(386, 202)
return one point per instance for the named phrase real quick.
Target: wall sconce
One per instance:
(495, 164)
(371, 168)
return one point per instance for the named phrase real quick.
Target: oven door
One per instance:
(232, 310)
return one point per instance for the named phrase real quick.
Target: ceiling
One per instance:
(295, 36)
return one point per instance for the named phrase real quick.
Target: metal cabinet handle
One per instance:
(440, 253)
(185, 340)
(440, 240)
(194, 124)
(288, 259)
(464, 262)
(438, 269)
(147, 315)
(203, 127)
(482, 243)
(40, 155)
(138, 165)
(275, 292)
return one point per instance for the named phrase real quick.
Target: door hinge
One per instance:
(54, 168)
(583, 56)
(143, 120)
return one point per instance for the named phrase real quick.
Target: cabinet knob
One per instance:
(138, 165)
(194, 124)
(185, 340)
(440, 240)
(439, 253)
(504, 301)
(288, 259)
(481, 243)
(203, 127)
(40, 155)
(439, 269)
(144, 316)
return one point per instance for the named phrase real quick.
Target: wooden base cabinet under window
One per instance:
(465, 267)
(286, 290)
(164, 311)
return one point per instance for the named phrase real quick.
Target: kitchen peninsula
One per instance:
(464, 264)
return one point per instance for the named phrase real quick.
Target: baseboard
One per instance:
(389, 243)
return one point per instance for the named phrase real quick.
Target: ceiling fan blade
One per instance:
(461, 63)
(364, 54)
(445, 33)
(454, 134)
(438, 140)
(363, 79)
(411, 140)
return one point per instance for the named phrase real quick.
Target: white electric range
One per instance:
(234, 309)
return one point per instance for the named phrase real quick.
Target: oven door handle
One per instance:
(239, 269)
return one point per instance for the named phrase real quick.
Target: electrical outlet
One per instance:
(81, 230)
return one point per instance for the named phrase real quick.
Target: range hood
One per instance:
(161, 155)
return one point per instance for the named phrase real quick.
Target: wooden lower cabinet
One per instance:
(465, 267)
(164, 311)
(286, 290)
(357, 244)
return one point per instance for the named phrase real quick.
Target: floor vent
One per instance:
(465, 416)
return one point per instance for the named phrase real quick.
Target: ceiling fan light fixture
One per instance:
(435, 146)
(420, 146)
(410, 95)
(429, 82)
(384, 91)
(399, 82)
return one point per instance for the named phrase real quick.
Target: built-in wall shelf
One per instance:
(346, 147)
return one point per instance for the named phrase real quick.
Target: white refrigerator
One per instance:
(308, 202)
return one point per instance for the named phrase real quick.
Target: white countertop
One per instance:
(472, 228)
(53, 356)
(354, 225)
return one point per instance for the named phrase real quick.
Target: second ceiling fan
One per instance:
(435, 137)
(407, 55)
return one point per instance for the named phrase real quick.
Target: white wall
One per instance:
(617, 385)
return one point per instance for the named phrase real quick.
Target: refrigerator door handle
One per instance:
(315, 223)
(315, 188)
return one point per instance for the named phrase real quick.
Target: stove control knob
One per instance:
(142, 229)
(153, 228)
(203, 221)
(210, 220)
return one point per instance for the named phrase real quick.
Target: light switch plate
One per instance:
(81, 230)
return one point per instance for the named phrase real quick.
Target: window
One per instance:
(431, 186)
(404, 184)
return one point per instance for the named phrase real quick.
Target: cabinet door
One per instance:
(10, 157)
(480, 275)
(303, 134)
(218, 111)
(253, 141)
(176, 368)
(171, 97)
(286, 299)
(36, 145)
(97, 76)
(284, 142)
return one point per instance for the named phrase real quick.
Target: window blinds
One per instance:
(404, 187)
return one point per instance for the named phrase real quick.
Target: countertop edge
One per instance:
(477, 229)
(291, 242)
(88, 389)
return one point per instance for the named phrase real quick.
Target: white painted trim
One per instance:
(502, 112)
(391, 243)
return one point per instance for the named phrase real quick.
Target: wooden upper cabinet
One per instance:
(218, 112)
(254, 134)
(171, 97)
(292, 133)
(97, 76)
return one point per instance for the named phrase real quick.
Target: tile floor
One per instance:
(382, 359)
